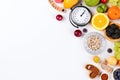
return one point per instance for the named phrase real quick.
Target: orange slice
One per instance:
(100, 21)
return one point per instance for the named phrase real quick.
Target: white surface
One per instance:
(34, 46)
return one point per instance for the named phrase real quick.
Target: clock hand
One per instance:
(82, 13)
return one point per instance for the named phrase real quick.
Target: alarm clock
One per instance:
(80, 16)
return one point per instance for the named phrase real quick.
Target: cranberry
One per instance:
(59, 17)
(77, 33)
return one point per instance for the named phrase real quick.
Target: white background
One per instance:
(35, 46)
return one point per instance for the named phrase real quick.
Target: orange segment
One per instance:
(100, 21)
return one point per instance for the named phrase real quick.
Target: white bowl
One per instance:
(102, 45)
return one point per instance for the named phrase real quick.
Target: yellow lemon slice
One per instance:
(100, 21)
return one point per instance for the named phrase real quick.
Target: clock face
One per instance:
(80, 16)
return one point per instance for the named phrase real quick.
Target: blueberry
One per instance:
(118, 71)
(109, 50)
(85, 30)
(115, 77)
(115, 72)
(119, 78)
(118, 74)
